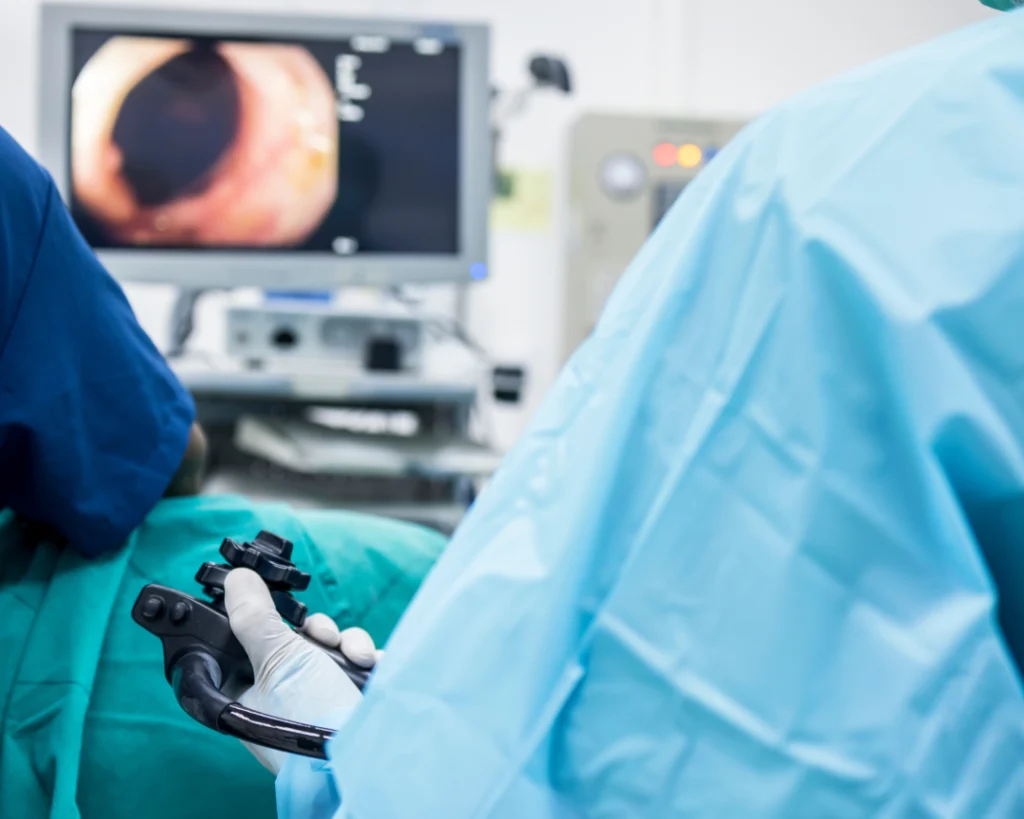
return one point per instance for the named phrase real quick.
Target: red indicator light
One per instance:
(665, 155)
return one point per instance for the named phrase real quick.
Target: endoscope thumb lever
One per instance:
(202, 656)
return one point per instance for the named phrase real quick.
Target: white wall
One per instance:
(750, 54)
(696, 56)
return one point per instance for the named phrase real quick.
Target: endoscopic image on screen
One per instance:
(178, 142)
(186, 142)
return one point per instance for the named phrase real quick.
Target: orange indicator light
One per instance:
(690, 156)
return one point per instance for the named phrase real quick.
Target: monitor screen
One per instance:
(345, 146)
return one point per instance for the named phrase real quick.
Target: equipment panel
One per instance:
(626, 171)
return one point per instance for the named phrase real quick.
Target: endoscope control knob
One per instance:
(289, 608)
(270, 557)
(212, 575)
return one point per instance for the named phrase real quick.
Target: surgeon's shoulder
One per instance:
(25, 191)
(25, 196)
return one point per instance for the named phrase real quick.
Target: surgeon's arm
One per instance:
(94, 427)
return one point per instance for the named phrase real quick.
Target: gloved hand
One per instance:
(293, 678)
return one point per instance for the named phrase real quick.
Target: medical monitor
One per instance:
(210, 149)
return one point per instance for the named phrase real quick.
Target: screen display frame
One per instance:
(281, 269)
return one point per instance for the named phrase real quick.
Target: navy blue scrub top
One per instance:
(93, 424)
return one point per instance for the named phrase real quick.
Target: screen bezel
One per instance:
(280, 269)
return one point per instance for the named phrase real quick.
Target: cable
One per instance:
(273, 732)
(196, 682)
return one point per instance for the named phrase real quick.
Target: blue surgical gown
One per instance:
(93, 424)
(751, 556)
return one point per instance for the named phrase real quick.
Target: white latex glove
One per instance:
(293, 678)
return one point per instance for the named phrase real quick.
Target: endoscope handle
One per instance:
(196, 680)
(202, 654)
(181, 620)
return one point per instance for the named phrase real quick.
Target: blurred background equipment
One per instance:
(501, 311)
(274, 160)
(546, 73)
(358, 339)
(625, 172)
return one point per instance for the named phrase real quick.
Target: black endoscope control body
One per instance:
(202, 657)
